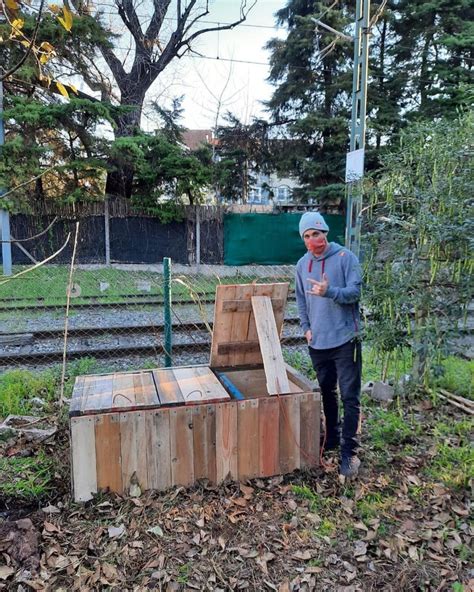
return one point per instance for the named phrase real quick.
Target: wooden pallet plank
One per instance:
(222, 326)
(310, 418)
(248, 439)
(275, 371)
(240, 324)
(84, 475)
(246, 305)
(181, 442)
(157, 425)
(200, 385)
(277, 291)
(146, 394)
(76, 400)
(226, 441)
(133, 449)
(123, 396)
(289, 444)
(204, 442)
(108, 452)
(268, 436)
(167, 386)
(97, 394)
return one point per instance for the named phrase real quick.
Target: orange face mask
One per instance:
(318, 245)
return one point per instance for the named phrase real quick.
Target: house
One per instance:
(266, 189)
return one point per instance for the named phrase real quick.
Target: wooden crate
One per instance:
(166, 427)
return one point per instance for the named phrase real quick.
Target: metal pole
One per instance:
(4, 214)
(167, 311)
(359, 109)
(198, 239)
(107, 231)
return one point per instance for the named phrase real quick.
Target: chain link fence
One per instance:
(97, 318)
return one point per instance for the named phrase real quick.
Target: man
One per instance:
(328, 282)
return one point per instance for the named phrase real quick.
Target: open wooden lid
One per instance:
(234, 337)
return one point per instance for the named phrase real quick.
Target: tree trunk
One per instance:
(120, 177)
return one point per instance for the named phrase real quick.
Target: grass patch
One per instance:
(386, 427)
(26, 478)
(373, 505)
(48, 284)
(457, 376)
(317, 503)
(19, 387)
(301, 362)
(453, 464)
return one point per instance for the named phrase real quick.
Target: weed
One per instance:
(318, 503)
(183, 573)
(19, 387)
(464, 553)
(387, 427)
(26, 478)
(454, 465)
(373, 505)
(456, 375)
(326, 528)
(301, 362)
(462, 428)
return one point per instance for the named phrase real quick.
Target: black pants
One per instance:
(341, 365)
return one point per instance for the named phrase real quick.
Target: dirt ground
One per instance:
(399, 526)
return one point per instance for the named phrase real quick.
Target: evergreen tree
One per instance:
(311, 72)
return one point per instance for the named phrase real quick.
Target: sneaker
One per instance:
(349, 466)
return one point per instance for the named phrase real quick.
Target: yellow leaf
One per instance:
(44, 58)
(66, 22)
(55, 8)
(18, 24)
(45, 46)
(12, 4)
(73, 88)
(62, 89)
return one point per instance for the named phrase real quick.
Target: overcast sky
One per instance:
(241, 86)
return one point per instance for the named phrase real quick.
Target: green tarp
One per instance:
(270, 239)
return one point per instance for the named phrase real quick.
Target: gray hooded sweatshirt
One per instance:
(333, 318)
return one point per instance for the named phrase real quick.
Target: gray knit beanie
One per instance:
(312, 220)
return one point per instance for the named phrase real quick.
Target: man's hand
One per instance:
(309, 336)
(319, 288)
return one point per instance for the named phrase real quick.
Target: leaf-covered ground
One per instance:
(402, 525)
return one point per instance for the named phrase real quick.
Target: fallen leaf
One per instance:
(116, 531)
(460, 511)
(6, 571)
(413, 553)
(240, 501)
(51, 510)
(156, 530)
(246, 490)
(360, 548)
(49, 527)
(302, 555)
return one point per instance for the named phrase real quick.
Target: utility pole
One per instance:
(355, 158)
(4, 214)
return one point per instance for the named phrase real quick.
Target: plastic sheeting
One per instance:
(270, 239)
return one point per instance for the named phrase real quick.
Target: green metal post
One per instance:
(359, 110)
(167, 311)
(4, 214)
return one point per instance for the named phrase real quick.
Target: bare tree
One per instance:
(154, 45)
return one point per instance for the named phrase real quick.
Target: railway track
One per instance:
(42, 305)
(46, 346)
